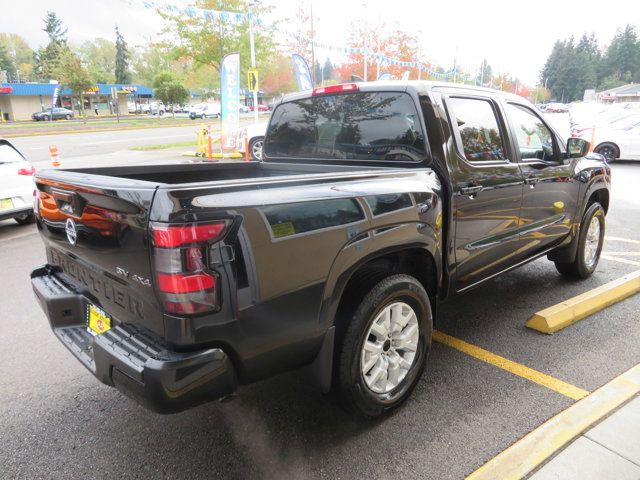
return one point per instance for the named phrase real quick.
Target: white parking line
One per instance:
(621, 260)
(631, 254)
(618, 239)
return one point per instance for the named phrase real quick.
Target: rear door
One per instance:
(487, 188)
(95, 231)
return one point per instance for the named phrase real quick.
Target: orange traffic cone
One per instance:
(54, 154)
(247, 154)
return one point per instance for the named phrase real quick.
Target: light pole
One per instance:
(253, 62)
(366, 40)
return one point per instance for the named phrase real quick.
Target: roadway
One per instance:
(57, 421)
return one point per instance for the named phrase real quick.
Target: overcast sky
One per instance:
(513, 36)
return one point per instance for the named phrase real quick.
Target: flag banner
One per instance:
(303, 74)
(230, 101)
(54, 99)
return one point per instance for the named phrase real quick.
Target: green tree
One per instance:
(150, 60)
(46, 59)
(205, 39)
(123, 75)
(622, 58)
(20, 53)
(99, 58)
(169, 90)
(6, 63)
(484, 73)
(73, 75)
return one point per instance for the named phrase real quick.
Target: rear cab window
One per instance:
(379, 126)
(479, 136)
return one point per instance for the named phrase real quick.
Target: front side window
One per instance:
(479, 130)
(353, 126)
(8, 154)
(535, 140)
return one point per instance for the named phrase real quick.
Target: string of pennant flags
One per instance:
(240, 17)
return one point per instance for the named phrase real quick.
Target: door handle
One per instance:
(531, 181)
(472, 191)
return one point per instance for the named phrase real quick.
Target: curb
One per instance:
(93, 130)
(561, 315)
(538, 446)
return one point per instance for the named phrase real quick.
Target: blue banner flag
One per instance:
(54, 99)
(303, 74)
(230, 101)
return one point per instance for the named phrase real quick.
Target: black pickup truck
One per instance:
(374, 203)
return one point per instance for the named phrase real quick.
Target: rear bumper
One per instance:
(15, 212)
(134, 360)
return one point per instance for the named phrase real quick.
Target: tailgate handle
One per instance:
(68, 202)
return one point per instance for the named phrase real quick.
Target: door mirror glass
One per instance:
(577, 147)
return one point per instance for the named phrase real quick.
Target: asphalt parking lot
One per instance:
(57, 421)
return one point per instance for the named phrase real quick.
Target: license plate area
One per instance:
(6, 204)
(98, 321)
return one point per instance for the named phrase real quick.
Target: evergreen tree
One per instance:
(484, 73)
(46, 59)
(623, 55)
(327, 70)
(123, 75)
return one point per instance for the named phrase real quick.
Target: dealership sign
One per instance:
(230, 101)
(6, 90)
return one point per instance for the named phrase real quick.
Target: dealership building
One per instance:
(18, 101)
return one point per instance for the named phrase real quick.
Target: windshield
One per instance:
(8, 154)
(358, 126)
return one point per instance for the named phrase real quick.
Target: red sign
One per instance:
(6, 90)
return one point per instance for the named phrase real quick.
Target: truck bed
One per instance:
(176, 174)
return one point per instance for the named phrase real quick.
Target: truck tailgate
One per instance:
(96, 237)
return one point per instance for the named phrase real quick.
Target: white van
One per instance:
(205, 110)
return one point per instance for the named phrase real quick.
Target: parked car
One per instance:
(16, 185)
(58, 114)
(254, 135)
(556, 108)
(157, 108)
(614, 143)
(261, 108)
(244, 109)
(374, 203)
(205, 110)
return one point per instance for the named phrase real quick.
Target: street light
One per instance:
(253, 60)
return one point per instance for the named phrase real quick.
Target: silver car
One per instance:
(16, 185)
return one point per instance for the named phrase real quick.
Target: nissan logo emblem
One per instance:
(72, 233)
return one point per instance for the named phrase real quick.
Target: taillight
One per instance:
(30, 170)
(343, 87)
(185, 282)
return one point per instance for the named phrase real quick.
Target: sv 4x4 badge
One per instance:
(136, 278)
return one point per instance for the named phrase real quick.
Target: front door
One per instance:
(487, 190)
(551, 191)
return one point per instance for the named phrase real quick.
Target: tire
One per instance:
(255, 148)
(25, 219)
(363, 389)
(67, 117)
(609, 151)
(45, 118)
(203, 116)
(590, 240)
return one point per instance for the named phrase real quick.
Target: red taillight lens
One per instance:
(185, 281)
(30, 170)
(344, 87)
(178, 283)
(174, 236)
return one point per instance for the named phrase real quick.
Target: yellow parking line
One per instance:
(535, 448)
(561, 315)
(515, 368)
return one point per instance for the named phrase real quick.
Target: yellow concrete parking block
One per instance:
(535, 448)
(557, 317)
(515, 368)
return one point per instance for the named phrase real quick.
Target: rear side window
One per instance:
(479, 131)
(357, 126)
(8, 154)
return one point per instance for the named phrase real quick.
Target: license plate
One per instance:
(6, 204)
(98, 321)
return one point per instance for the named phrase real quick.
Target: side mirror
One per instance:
(577, 147)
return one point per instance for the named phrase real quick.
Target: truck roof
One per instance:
(419, 86)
